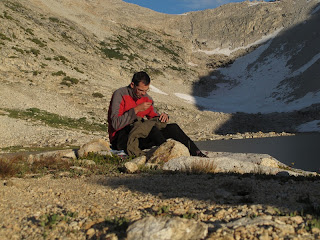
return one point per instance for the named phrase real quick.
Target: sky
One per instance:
(180, 6)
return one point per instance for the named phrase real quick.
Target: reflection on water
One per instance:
(301, 151)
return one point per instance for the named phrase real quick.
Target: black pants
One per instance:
(155, 138)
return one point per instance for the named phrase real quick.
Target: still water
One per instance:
(300, 151)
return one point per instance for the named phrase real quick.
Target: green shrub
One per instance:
(54, 19)
(30, 31)
(54, 120)
(61, 58)
(112, 53)
(97, 95)
(37, 41)
(18, 50)
(68, 81)
(78, 70)
(59, 73)
(35, 51)
(5, 14)
(4, 37)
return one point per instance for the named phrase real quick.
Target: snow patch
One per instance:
(252, 84)
(157, 90)
(313, 126)
(228, 52)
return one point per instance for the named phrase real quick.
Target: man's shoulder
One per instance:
(121, 91)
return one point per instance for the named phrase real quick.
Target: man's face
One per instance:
(140, 90)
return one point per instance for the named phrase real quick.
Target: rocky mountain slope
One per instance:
(61, 61)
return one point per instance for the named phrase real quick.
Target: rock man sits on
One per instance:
(134, 124)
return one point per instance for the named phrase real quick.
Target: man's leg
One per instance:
(155, 138)
(175, 132)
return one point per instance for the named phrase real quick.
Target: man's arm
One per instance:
(118, 118)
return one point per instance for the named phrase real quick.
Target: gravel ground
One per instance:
(100, 207)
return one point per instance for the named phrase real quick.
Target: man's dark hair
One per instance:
(141, 77)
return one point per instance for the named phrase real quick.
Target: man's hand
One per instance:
(164, 117)
(142, 107)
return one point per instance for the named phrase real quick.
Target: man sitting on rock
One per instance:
(128, 128)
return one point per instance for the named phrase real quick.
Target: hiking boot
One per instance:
(201, 154)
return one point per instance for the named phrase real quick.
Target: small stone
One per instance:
(297, 219)
(131, 167)
(91, 232)
(315, 230)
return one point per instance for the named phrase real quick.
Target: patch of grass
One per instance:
(119, 224)
(14, 6)
(50, 220)
(61, 58)
(179, 69)
(313, 223)
(54, 19)
(34, 51)
(153, 71)
(78, 70)
(167, 50)
(19, 166)
(54, 120)
(59, 73)
(43, 65)
(18, 148)
(4, 37)
(97, 95)
(30, 31)
(105, 164)
(5, 14)
(69, 81)
(8, 168)
(37, 41)
(18, 50)
(203, 166)
(112, 53)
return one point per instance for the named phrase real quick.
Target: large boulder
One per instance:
(169, 150)
(163, 228)
(95, 146)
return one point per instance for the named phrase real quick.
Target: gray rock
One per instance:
(163, 228)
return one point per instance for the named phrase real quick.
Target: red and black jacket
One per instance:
(121, 112)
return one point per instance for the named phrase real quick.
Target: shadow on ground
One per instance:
(292, 193)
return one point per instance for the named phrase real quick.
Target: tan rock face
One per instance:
(169, 150)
